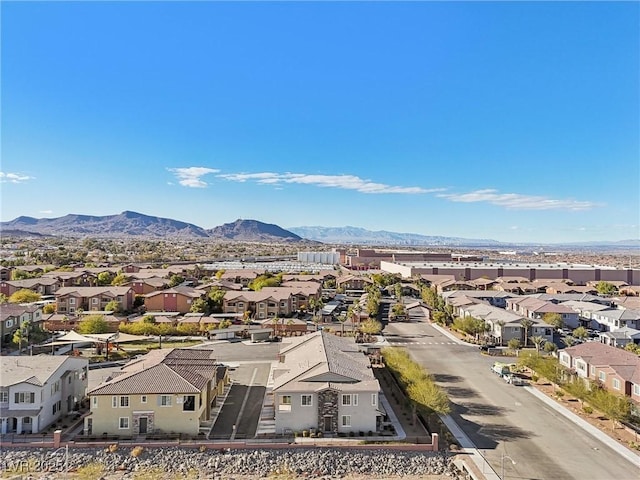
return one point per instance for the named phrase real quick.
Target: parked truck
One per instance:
(501, 368)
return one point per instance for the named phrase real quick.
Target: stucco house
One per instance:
(88, 299)
(165, 391)
(324, 382)
(37, 390)
(13, 316)
(177, 299)
(614, 368)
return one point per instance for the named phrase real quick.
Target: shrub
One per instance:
(587, 409)
(136, 451)
(305, 433)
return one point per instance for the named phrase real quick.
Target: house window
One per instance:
(374, 399)
(636, 390)
(94, 301)
(143, 399)
(593, 370)
(72, 301)
(124, 402)
(114, 402)
(164, 400)
(305, 400)
(602, 376)
(95, 402)
(350, 400)
(4, 396)
(26, 420)
(285, 403)
(123, 423)
(188, 403)
(283, 304)
(346, 420)
(9, 323)
(24, 397)
(616, 384)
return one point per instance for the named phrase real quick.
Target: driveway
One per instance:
(240, 413)
(505, 421)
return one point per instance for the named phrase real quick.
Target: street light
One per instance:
(512, 462)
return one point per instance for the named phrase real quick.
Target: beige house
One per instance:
(267, 303)
(324, 382)
(165, 391)
(177, 299)
(91, 299)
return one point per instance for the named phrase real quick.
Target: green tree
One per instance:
(24, 296)
(632, 347)
(514, 344)
(120, 279)
(371, 327)
(200, 305)
(105, 278)
(49, 308)
(342, 318)
(501, 324)
(3, 298)
(112, 306)
(397, 289)
(526, 324)
(553, 319)
(93, 324)
(606, 288)
(21, 335)
(580, 333)
(216, 299)
(538, 341)
(550, 347)
(175, 280)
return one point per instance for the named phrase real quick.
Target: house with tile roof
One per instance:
(41, 285)
(614, 368)
(176, 299)
(13, 316)
(165, 391)
(324, 382)
(266, 303)
(535, 309)
(92, 299)
(37, 390)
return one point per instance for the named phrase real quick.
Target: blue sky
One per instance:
(513, 121)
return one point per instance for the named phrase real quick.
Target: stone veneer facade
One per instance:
(328, 407)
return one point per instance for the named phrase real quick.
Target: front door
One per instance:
(327, 424)
(143, 424)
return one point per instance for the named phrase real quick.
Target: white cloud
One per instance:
(518, 201)
(345, 182)
(46, 212)
(191, 176)
(14, 178)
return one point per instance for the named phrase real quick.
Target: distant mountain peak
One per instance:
(253, 231)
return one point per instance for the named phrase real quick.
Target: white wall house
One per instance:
(324, 383)
(37, 390)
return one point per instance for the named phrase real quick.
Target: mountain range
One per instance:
(133, 224)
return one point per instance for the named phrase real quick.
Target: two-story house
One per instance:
(266, 303)
(165, 391)
(324, 382)
(536, 309)
(614, 368)
(91, 299)
(176, 299)
(37, 390)
(41, 285)
(13, 316)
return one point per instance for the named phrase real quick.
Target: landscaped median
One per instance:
(416, 391)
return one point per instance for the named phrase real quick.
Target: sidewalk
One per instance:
(587, 427)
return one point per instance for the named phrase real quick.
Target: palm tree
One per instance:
(274, 322)
(538, 341)
(526, 324)
(342, 318)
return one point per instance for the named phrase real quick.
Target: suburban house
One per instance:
(77, 278)
(585, 313)
(612, 319)
(176, 299)
(143, 286)
(536, 309)
(41, 285)
(92, 299)
(165, 391)
(324, 382)
(13, 316)
(353, 282)
(614, 368)
(620, 337)
(492, 297)
(241, 277)
(505, 325)
(285, 326)
(36, 391)
(301, 293)
(266, 303)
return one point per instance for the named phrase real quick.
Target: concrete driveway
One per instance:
(505, 421)
(240, 413)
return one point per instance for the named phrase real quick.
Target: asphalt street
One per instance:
(506, 423)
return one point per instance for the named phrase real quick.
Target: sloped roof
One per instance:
(93, 291)
(162, 372)
(625, 364)
(35, 370)
(333, 359)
